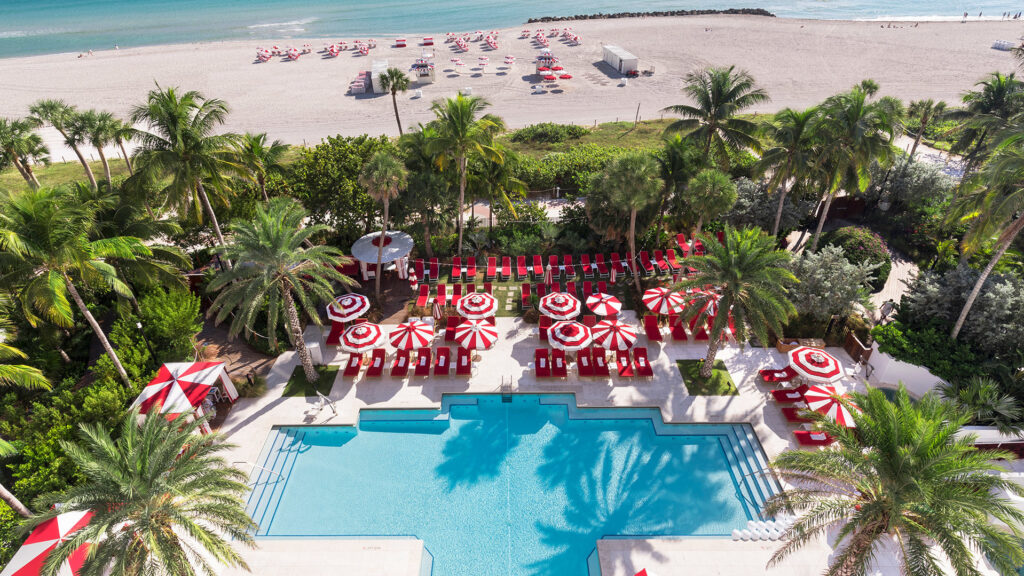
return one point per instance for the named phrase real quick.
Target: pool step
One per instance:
(273, 473)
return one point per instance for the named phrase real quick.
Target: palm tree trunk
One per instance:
(427, 246)
(783, 191)
(106, 165)
(696, 232)
(33, 181)
(709, 360)
(632, 250)
(98, 331)
(821, 220)
(12, 501)
(462, 197)
(1010, 235)
(21, 168)
(127, 159)
(394, 101)
(917, 140)
(380, 250)
(209, 211)
(85, 165)
(263, 187)
(297, 339)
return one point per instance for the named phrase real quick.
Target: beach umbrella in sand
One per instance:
(614, 335)
(362, 338)
(663, 301)
(826, 400)
(550, 77)
(293, 53)
(348, 307)
(543, 69)
(604, 304)
(560, 306)
(476, 334)
(566, 76)
(556, 67)
(412, 334)
(477, 305)
(569, 336)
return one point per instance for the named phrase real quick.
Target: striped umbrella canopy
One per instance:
(348, 307)
(815, 365)
(604, 304)
(477, 305)
(476, 334)
(412, 334)
(614, 335)
(569, 335)
(362, 338)
(31, 557)
(560, 306)
(663, 301)
(836, 406)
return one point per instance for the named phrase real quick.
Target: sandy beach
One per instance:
(799, 62)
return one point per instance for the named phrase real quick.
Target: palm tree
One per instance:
(427, 190)
(20, 145)
(679, 163)
(279, 273)
(719, 94)
(61, 116)
(926, 111)
(994, 203)
(124, 132)
(494, 181)
(383, 176)
(459, 133)
(260, 160)
(751, 277)
(394, 80)
(709, 194)
(986, 113)
(99, 129)
(792, 158)
(633, 181)
(903, 483)
(164, 500)
(985, 404)
(45, 248)
(180, 146)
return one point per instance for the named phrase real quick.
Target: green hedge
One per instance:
(930, 347)
(862, 246)
(549, 133)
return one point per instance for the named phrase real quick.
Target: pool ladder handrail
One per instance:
(264, 468)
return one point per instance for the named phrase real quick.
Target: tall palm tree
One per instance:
(61, 116)
(460, 132)
(903, 483)
(278, 274)
(124, 132)
(163, 498)
(994, 203)
(494, 181)
(751, 278)
(100, 128)
(680, 162)
(22, 147)
(383, 176)
(45, 249)
(394, 80)
(792, 157)
(181, 147)
(633, 181)
(719, 94)
(259, 159)
(986, 112)
(709, 194)
(925, 111)
(427, 190)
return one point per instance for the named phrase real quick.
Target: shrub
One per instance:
(862, 246)
(756, 206)
(549, 133)
(571, 171)
(829, 283)
(9, 540)
(171, 319)
(929, 346)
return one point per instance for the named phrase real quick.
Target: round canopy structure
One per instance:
(396, 245)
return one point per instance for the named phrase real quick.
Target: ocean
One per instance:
(54, 26)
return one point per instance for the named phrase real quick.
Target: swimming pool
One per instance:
(524, 486)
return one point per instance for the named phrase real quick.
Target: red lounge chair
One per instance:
(470, 288)
(424, 295)
(568, 269)
(559, 368)
(630, 263)
(805, 438)
(337, 329)
(450, 323)
(602, 268)
(525, 300)
(659, 260)
(646, 267)
(584, 364)
(541, 290)
(793, 415)
(521, 271)
(538, 267)
(423, 362)
(555, 287)
(489, 288)
(456, 294)
(624, 365)
(420, 271)
(442, 295)
(556, 268)
(721, 237)
(435, 270)
(442, 361)
(589, 320)
(681, 241)
(602, 287)
(588, 289)
(784, 375)
(541, 363)
(506, 268)
(355, 362)
(676, 328)
(465, 363)
(457, 270)
(588, 268)
(544, 322)
(400, 367)
(673, 264)
(788, 396)
(600, 362)
(492, 268)
(698, 247)
(652, 329)
(376, 367)
(471, 268)
(617, 264)
(570, 287)
(642, 365)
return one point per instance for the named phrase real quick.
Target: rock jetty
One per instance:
(602, 16)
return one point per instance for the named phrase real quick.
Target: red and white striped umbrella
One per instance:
(569, 335)
(412, 334)
(815, 365)
(476, 335)
(604, 304)
(31, 557)
(663, 301)
(348, 307)
(836, 406)
(614, 335)
(362, 338)
(477, 305)
(560, 306)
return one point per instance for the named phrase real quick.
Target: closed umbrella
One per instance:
(476, 335)
(569, 335)
(477, 305)
(663, 301)
(614, 335)
(411, 335)
(560, 306)
(604, 304)
(362, 338)
(815, 365)
(826, 400)
(348, 307)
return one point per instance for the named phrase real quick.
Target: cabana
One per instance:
(423, 71)
(623, 61)
(397, 246)
(181, 388)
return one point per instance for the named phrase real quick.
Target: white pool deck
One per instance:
(250, 421)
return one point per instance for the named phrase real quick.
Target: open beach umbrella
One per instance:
(566, 76)
(826, 400)
(348, 307)
(477, 305)
(560, 306)
(550, 77)
(604, 304)
(31, 557)
(614, 335)
(476, 335)
(663, 301)
(362, 338)
(412, 334)
(569, 335)
(815, 365)
(181, 386)
(293, 53)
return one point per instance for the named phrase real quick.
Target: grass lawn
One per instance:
(60, 173)
(299, 386)
(720, 384)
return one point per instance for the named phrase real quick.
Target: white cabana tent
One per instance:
(623, 61)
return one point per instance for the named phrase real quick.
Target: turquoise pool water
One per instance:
(517, 488)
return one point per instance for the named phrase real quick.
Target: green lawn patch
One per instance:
(299, 386)
(720, 383)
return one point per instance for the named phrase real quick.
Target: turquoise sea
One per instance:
(53, 26)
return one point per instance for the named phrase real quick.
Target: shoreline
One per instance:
(654, 14)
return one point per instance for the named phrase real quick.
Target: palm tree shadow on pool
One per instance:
(476, 451)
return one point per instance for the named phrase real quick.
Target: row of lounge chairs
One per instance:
(582, 292)
(424, 363)
(445, 297)
(591, 362)
(792, 401)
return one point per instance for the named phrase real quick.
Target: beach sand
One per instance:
(799, 63)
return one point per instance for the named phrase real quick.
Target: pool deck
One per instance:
(250, 421)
